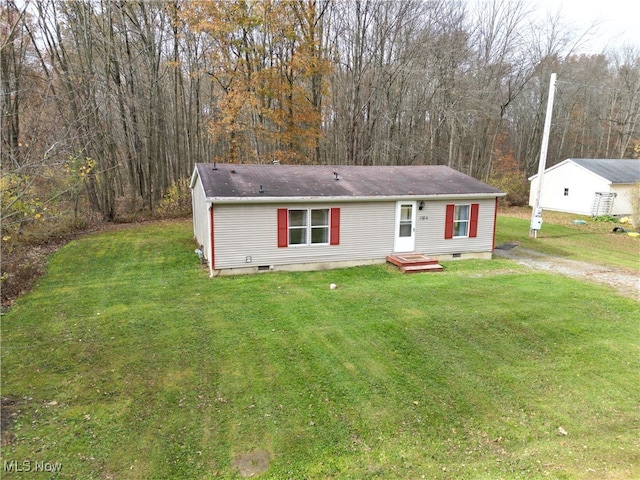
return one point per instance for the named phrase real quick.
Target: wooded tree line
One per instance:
(116, 100)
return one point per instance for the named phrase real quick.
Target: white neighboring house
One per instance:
(589, 186)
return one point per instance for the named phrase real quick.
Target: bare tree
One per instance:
(124, 97)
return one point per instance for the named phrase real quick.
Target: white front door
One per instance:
(405, 236)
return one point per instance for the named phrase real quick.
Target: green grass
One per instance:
(592, 242)
(157, 371)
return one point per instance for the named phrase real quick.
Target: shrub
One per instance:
(177, 200)
(515, 186)
(605, 218)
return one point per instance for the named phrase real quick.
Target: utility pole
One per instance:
(536, 213)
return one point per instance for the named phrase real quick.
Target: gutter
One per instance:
(377, 198)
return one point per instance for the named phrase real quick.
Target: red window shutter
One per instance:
(448, 221)
(473, 221)
(283, 227)
(334, 233)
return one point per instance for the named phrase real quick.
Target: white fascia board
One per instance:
(194, 178)
(194, 183)
(557, 165)
(380, 198)
(568, 160)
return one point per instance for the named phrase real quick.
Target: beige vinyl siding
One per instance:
(242, 231)
(200, 216)
(430, 224)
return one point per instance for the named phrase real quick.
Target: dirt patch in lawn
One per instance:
(626, 283)
(8, 414)
(252, 463)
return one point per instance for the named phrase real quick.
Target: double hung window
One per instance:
(298, 227)
(320, 226)
(461, 221)
(309, 226)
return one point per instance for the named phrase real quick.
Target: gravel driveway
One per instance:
(626, 283)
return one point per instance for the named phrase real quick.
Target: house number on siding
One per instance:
(423, 217)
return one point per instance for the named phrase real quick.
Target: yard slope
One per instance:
(127, 361)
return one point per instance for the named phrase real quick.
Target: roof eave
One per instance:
(342, 199)
(585, 169)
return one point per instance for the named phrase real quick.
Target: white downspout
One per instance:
(211, 240)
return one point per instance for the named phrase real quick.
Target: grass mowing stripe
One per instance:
(157, 371)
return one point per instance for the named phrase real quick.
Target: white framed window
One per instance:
(320, 226)
(298, 226)
(461, 221)
(309, 226)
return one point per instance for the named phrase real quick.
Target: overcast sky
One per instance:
(619, 20)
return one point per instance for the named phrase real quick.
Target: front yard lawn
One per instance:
(127, 361)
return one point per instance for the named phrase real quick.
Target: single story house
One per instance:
(589, 186)
(251, 218)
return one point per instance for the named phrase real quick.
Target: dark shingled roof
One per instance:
(614, 170)
(318, 181)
